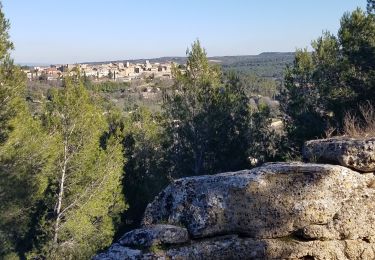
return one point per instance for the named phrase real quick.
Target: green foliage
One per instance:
(84, 189)
(12, 84)
(142, 137)
(336, 77)
(22, 153)
(5, 44)
(300, 102)
(12, 89)
(146, 168)
(228, 129)
(265, 143)
(255, 85)
(61, 190)
(265, 65)
(206, 121)
(22, 180)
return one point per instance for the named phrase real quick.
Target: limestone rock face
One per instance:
(155, 235)
(276, 211)
(353, 153)
(267, 202)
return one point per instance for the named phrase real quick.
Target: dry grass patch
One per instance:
(362, 125)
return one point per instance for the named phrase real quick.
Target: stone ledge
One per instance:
(357, 154)
(234, 247)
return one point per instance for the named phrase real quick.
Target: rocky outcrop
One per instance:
(267, 202)
(276, 211)
(358, 154)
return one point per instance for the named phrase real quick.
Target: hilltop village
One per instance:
(117, 71)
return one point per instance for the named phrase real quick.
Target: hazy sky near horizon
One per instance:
(72, 31)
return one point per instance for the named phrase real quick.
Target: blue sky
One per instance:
(95, 30)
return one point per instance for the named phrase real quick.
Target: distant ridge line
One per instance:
(178, 59)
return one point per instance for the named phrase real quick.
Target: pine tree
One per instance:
(84, 196)
(5, 43)
(10, 91)
(23, 155)
(205, 119)
(322, 86)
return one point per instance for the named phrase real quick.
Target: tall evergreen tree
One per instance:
(335, 78)
(22, 154)
(83, 198)
(10, 91)
(205, 119)
(60, 190)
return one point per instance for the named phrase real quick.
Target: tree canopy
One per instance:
(60, 186)
(336, 77)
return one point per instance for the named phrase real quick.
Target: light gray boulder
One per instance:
(275, 200)
(358, 154)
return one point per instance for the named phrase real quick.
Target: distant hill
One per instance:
(266, 64)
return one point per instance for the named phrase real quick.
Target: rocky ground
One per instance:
(276, 211)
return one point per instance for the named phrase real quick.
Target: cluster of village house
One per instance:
(114, 71)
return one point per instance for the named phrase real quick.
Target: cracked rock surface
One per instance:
(276, 211)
